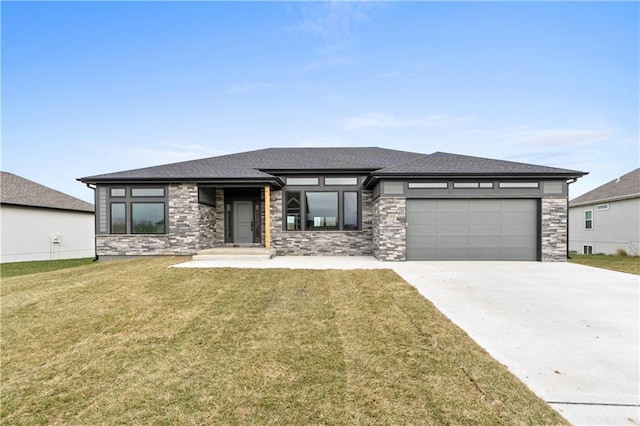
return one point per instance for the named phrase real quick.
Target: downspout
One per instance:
(569, 183)
(95, 218)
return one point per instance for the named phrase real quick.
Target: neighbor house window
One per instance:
(602, 206)
(587, 249)
(588, 219)
(137, 210)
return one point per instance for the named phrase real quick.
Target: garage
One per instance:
(472, 229)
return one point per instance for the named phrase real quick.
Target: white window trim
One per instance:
(584, 218)
(601, 207)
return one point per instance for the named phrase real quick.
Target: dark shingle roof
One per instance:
(247, 165)
(442, 163)
(23, 192)
(626, 186)
(263, 164)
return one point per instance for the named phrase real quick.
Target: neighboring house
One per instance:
(40, 223)
(607, 218)
(392, 204)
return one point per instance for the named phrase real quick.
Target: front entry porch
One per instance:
(240, 225)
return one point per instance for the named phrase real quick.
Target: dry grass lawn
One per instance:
(135, 342)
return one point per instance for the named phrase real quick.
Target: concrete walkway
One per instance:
(570, 332)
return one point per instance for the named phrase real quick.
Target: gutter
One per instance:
(569, 183)
(95, 217)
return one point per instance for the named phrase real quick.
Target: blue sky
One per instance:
(96, 87)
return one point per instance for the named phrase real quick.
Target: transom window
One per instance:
(137, 210)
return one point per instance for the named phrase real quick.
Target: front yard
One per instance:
(629, 264)
(136, 342)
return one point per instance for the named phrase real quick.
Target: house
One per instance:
(40, 223)
(607, 218)
(391, 204)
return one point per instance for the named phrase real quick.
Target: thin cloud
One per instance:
(323, 64)
(381, 120)
(560, 137)
(330, 20)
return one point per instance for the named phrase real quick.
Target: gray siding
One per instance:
(618, 227)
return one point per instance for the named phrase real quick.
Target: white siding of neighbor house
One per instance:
(617, 227)
(26, 234)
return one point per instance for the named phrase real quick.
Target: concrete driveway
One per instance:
(570, 332)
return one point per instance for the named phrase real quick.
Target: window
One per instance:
(118, 218)
(518, 184)
(133, 210)
(341, 181)
(293, 211)
(350, 210)
(303, 181)
(429, 185)
(588, 219)
(587, 249)
(322, 211)
(602, 207)
(466, 184)
(147, 218)
(147, 192)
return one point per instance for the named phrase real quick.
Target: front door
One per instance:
(243, 222)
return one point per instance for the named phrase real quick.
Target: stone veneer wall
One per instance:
(554, 229)
(219, 219)
(319, 243)
(185, 219)
(390, 229)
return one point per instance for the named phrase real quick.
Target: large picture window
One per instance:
(137, 210)
(322, 211)
(147, 218)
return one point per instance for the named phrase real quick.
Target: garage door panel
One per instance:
(453, 241)
(453, 218)
(489, 241)
(487, 229)
(422, 206)
(460, 229)
(486, 254)
(486, 218)
(427, 229)
(427, 218)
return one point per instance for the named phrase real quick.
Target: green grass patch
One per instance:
(135, 342)
(630, 264)
(26, 268)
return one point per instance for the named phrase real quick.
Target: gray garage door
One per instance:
(472, 230)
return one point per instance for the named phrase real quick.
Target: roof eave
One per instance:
(274, 181)
(605, 200)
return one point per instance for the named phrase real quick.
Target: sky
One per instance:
(98, 87)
